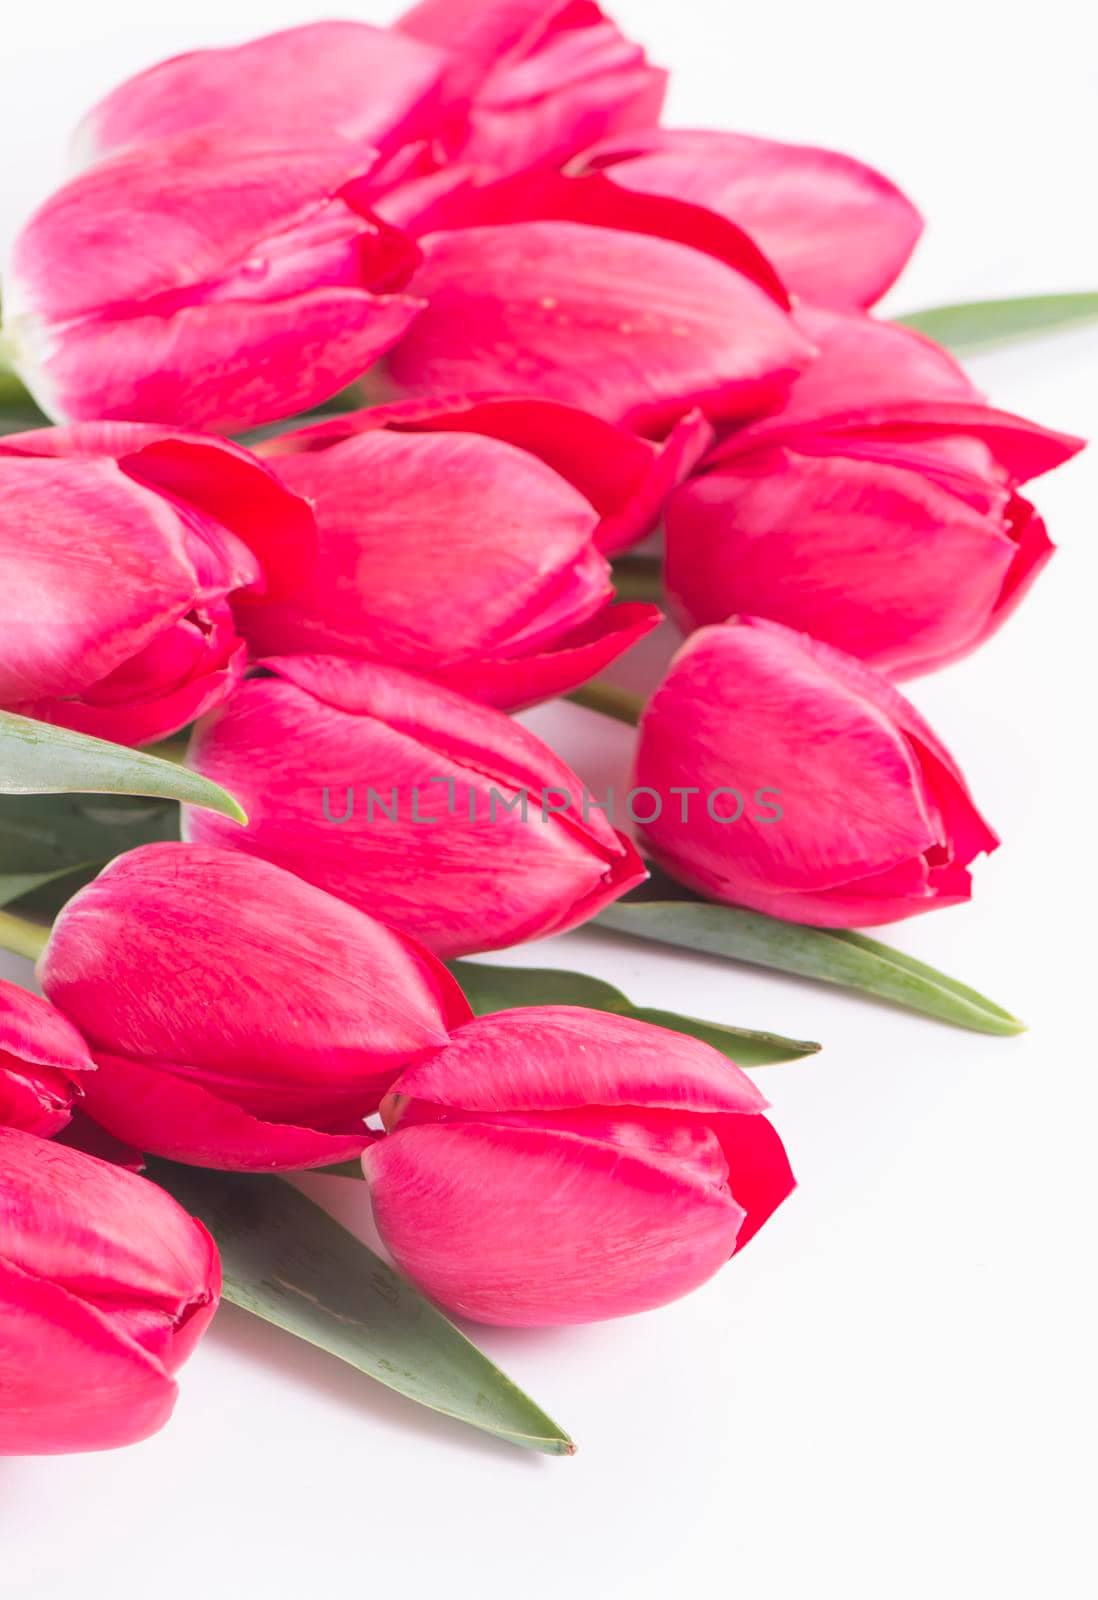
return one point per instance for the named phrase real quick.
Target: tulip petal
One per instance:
(586, 85)
(150, 1106)
(865, 815)
(544, 1228)
(516, 682)
(70, 622)
(867, 555)
(760, 1176)
(1024, 449)
(837, 231)
(869, 901)
(484, 32)
(433, 549)
(762, 717)
(32, 1030)
(70, 1382)
(371, 86)
(138, 721)
(288, 1003)
(675, 460)
(442, 844)
(211, 367)
(540, 80)
(883, 383)
(106, 1284)
(864, 367)
(100, 1233)
(39, 1053)
(194, 207)
(216, 287)
(967, 832)
(636, 329)
(453, 554)
(553, 1057)
(626, 479)
(223, 480)
(595, 200)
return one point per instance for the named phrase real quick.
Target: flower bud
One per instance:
(558, 1165)
(445, 818)
(818, 793)
(238, 1017)
(106, 1286)
(42, 1057)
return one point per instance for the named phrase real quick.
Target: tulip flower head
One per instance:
(260, 287)
(557, 1165)
(838, 232)
(533, 81)
(877, 508)
(443, 817)
(121, 545)
(807, 787)
(106, 1286)
(373, 87)
(238, 1017)
(490, 85)
(637, 308)
(42, 1059)
(451, 551)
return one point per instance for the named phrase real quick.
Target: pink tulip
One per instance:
(878, 510)
(534, 81)
(798, 782)
(837, 231)
(495, 85)
(450, 551)
(637, 308)
(121, 544)
(374, 87)
(558, 1165)
(238, 1017)
(106, 1286)
(206, 284)
(41, 1058)
(625, 478)
(441, 816)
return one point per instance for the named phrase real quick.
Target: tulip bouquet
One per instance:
(366, 386)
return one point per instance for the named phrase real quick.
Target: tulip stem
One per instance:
(21, 937)
(12, 390)
(638, 578)
(610, 700)
(173, 750)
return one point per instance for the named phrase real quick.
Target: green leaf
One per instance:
(979, 324)
(59, 832)
(287, 1261)
(501, 988)
(828, 954)
(17, 409)
(37, 758)
(14, 885)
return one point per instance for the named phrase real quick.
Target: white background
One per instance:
(891, 1394)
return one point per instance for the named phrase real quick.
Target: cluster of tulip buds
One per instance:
(574, 327)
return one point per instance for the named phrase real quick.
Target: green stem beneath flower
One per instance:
(173, 750)
(21, 937)
(638, 578)
(610, 700)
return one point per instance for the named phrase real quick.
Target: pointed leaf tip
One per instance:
(39, 758)
(288, 1262)
(830, 955)
(491, 988)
